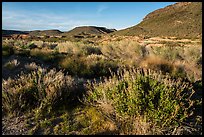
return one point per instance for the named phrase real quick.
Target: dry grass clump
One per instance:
(163, 103)
(43, 54)
(40, 44)
(31, 66)
(192, 53)
(41, 89)
(95, 57)
(8, 42)
(170, 53)
(12, 64)
(180, 61)
(78, 48)
(82, 121)
(91, 67)
(174, 68)
(71, 48)
(74, 65)
(90, 49)
(126, 52)
(156, 63)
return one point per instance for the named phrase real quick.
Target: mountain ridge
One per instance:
(88, 30)
(54, 32)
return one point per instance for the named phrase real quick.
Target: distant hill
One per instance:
(182, 19)
(84, 30)
(11, 32)
(45, 33)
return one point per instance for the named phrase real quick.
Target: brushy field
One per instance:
(117, 87)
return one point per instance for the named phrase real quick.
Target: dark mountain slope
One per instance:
(45, 32)
(83, 30)
(11, 32)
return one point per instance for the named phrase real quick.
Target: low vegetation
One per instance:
(117, 87)
(157, 100)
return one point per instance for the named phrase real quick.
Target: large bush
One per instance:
(163, 102)
(40, 89)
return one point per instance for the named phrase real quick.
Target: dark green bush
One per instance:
(88, 50)
(164, 102)
(7, 50)
(78, 67)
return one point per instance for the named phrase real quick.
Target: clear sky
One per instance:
(67, 15)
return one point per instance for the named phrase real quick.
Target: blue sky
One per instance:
(67, 15)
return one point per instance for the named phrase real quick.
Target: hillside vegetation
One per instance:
(183, 19)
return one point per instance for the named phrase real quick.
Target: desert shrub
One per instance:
(39, 44)
(169, 52)
(8, 42)
(31, 66)
(199, 61)
(20, 43)
(124, 52)
(179, 72)
(84, 67)
(71, 48)
(88, 50)
(193, 53)
(22, 52)
(53, 39)
(12, 64)
(103, 67)
(73, 65)
(86, 120)
(122, 49)
(46, 55)
(28, 46)
(170, 43)
(42, 90)
(162, 101)
(7, 50)
(157, 63)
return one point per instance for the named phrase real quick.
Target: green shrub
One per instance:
(45, 55)
(88, 50)
(103, 67)
(73, 65)
(22, 52)
(7, 50)
(163, 102)
(78, 66)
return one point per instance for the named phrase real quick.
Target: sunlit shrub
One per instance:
(12, 64)
(162, 101)
(46, 55)
(40, 89)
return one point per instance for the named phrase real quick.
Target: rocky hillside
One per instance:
(87, 30)
(45, 32)
(182, 19)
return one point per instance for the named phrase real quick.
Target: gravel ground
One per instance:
(14, 126)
